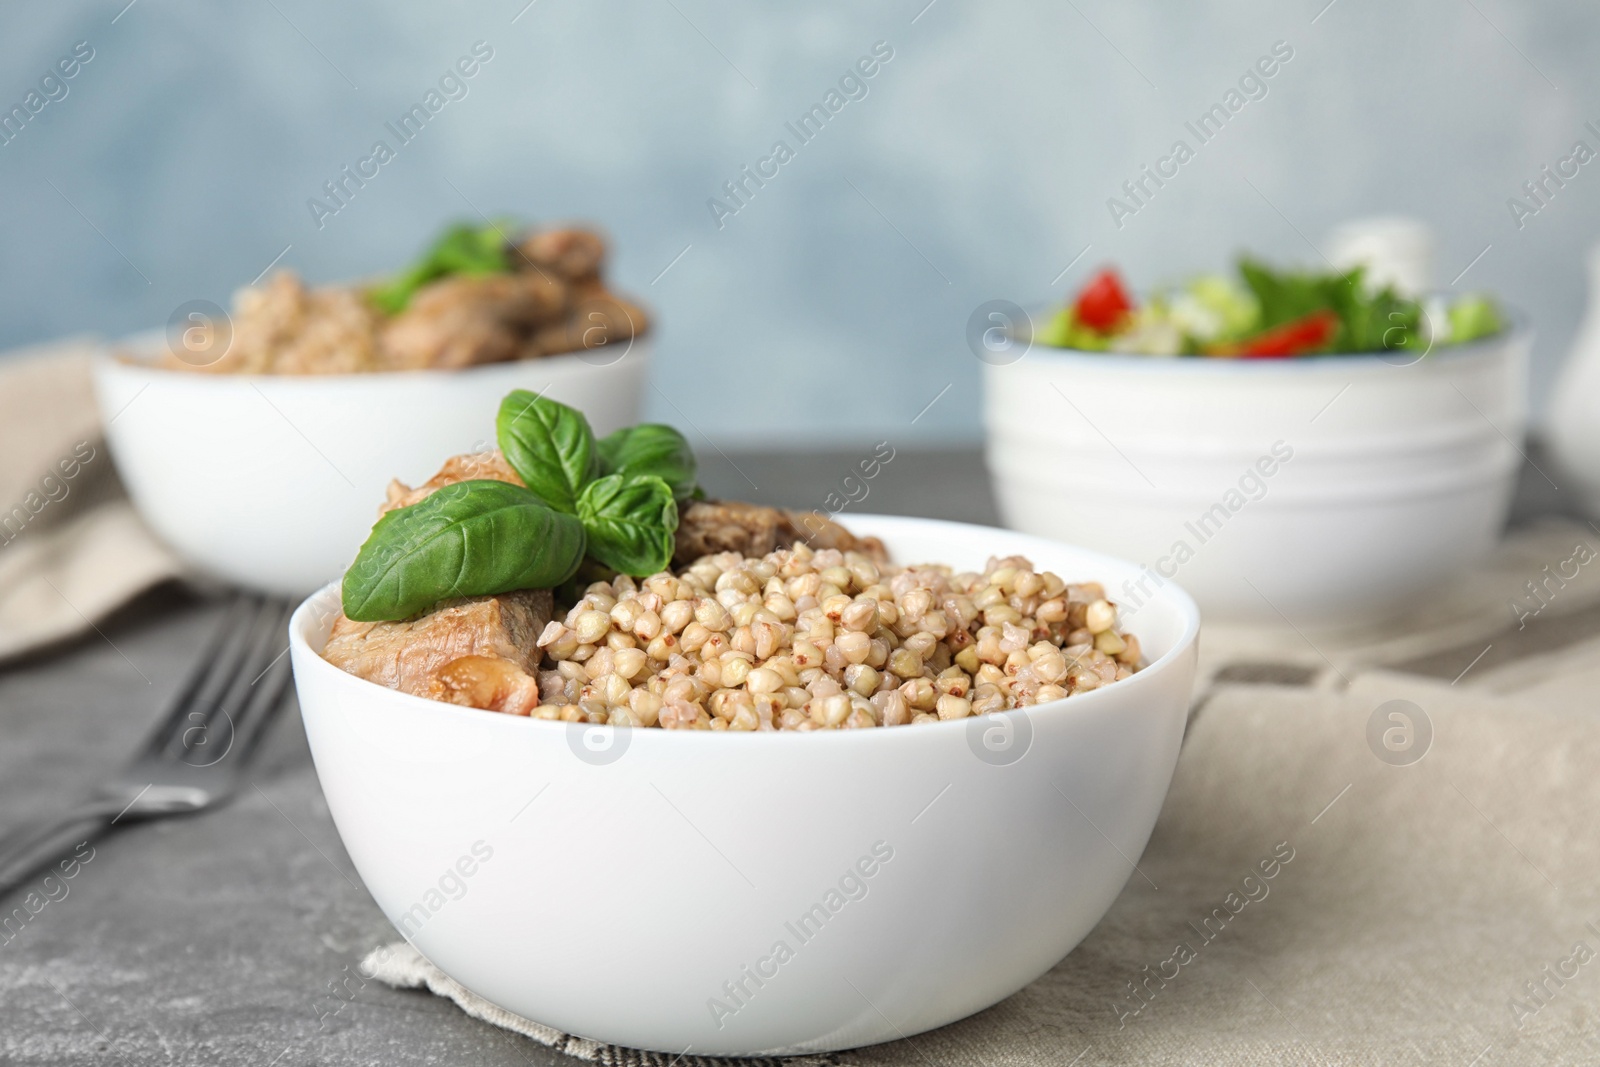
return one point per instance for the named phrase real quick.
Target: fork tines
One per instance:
(221, 707)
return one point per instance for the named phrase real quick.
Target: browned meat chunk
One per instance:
(470, 466)
(598, 318)
(710, 526)
(819, 531)
(463, 321)
(405, 655)
(574, 255)
(486, 682)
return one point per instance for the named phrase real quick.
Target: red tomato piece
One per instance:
(1293, 338)
(1103, 303)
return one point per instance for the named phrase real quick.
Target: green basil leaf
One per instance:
(630, 520)
(460, 249)
(550, 445)
(651, 448)
(473, 538)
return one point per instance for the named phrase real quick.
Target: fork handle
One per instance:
(26, 852)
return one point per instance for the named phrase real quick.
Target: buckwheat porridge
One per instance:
(588, 581)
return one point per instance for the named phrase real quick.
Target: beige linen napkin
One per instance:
(71, 548)
(1430, 912)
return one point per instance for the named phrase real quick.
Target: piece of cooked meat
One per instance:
(820, 532)
(598, 318)
(466, 320)
(710, 526)
(486, 682)
(405, 655)
(571, 254)
(470, 466)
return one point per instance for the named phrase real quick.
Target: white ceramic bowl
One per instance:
(1325, 490)
(1572, 425)
(273, 481)
(626, 881)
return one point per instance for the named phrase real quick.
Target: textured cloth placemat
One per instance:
(403, 967)
(1445, 911)
(1541, 586)
(71, 548)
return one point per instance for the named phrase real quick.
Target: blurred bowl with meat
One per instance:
(254, 445)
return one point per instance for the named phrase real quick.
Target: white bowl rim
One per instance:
(1518, 329)
(108, 355)
(1169, 591)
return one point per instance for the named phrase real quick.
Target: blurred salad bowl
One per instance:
(1573, 426)
(1285, 480)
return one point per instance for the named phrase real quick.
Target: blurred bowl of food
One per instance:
(1293, 447)
(806, 883)
(254, 445)
(1572, 428)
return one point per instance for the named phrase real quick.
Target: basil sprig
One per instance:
(460, 249)
(624, 487)
(630, 520)
(550, 445)
(651, 448)
(615, 500)
(473, 538)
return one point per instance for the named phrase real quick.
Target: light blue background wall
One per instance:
(834, 304)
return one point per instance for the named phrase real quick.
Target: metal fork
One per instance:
(194, 758)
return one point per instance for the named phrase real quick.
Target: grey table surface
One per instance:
(214, 939)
